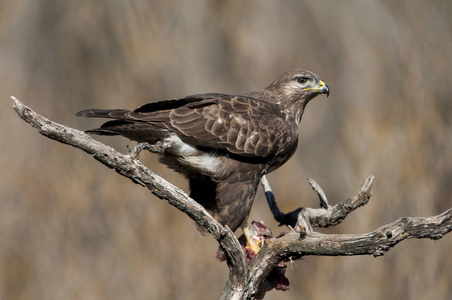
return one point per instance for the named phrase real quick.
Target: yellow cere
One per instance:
(321, 83)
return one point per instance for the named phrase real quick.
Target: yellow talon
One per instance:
(253, 245)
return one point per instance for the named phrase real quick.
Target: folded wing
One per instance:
(241, 125)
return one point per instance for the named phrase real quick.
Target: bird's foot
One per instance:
(252, 241)
(158, 148)
(255, 238)
(135, 151)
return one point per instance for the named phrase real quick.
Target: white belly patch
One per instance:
(203, 162)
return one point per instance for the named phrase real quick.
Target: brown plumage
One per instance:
(222, 143)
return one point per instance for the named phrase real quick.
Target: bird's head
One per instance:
(299, 84)
(293, 90)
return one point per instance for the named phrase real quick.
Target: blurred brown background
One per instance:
(72, 229)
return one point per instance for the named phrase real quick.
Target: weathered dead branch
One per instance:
(246, 279)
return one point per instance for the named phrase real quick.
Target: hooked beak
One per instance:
(322, 89)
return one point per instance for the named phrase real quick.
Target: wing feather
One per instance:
(239, 124)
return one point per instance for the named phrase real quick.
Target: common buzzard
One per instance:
(222, 143)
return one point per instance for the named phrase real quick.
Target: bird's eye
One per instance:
(302, 80)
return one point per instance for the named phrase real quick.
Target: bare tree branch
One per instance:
(302, 241)
(294, 244)
(132, 168)
(326, 216)
(250, 280)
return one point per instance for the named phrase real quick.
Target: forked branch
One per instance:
(249, 280)
(303, 218)
(132, 168)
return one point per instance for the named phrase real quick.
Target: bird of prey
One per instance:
(222, 143)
